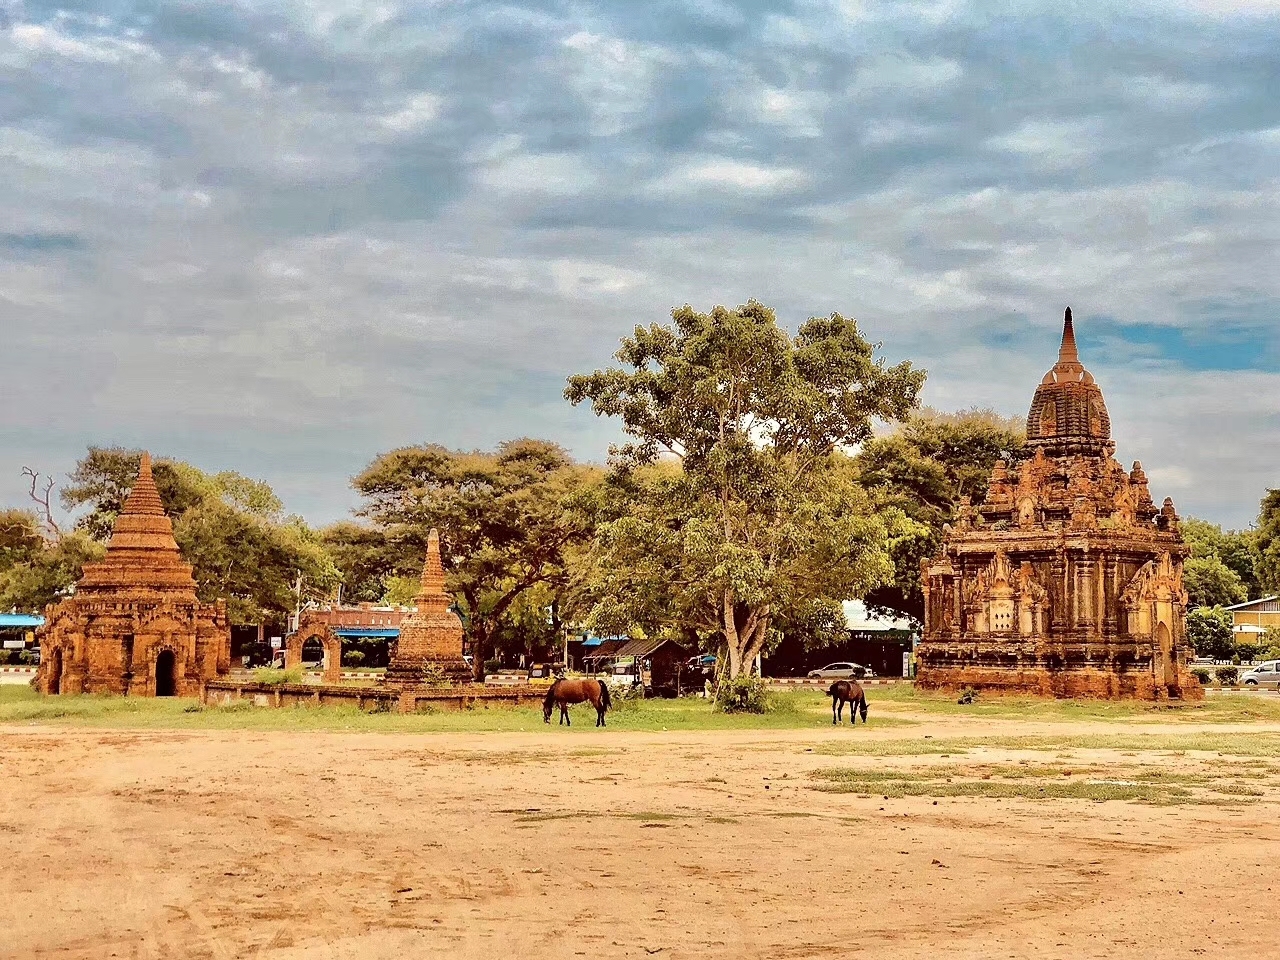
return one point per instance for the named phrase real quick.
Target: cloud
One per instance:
(282, 237)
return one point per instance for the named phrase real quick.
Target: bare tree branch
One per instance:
(42, 502)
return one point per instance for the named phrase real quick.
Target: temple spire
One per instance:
(1068, 353)
(144, 498)
(432, 595)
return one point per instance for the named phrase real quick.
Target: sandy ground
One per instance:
(596, 844)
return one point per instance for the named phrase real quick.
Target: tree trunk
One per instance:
(745, 629)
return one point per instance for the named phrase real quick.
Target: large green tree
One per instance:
(1220, 568)
(504, 520)
(1267, 544)
(1209, 630)
(925, 467)
(760, 520)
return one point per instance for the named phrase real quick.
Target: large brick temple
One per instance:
(134, 625)
(1067, 579)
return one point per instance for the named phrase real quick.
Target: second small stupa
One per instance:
(431, 640)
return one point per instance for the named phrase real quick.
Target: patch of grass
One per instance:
(1260, 744)
(897, 784)
(18, 704)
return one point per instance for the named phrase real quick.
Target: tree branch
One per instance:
(41, 500)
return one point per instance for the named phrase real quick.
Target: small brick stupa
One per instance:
(134, 625)
(431, 639)
(1067, 579)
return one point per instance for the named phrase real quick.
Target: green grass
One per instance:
(1260, 744)
(1214, 708)
(21, 705)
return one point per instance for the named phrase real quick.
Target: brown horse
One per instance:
(567, 691)
(850, 692)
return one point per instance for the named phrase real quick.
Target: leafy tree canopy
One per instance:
(1209, 630)
(503, 516)
(1267, 544)
(762, 519)
(1233, 549)
(924, 467)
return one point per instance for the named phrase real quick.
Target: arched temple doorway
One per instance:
(1166, 666)
(166, 679)
(55, 670)
(312, 651)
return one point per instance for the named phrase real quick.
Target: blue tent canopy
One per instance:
(20, 621)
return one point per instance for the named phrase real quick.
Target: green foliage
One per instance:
(48, 574)
(1227, 676)
(730, 508)
(924, 468)
(20, 539)
(1248, 650)
(1267, 544)
(273, 677)
(744, 694)
(1203, 674)
(1209, 631)
(1221, 567)
(504, 520)
(1211, 583)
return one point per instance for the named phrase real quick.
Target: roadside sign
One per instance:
(15, 644)
(276, 643)
(906, 665)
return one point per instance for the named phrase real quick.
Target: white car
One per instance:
(844, 670)
(1265, 674)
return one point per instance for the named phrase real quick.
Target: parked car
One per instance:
(1265, 674)
(842, 671)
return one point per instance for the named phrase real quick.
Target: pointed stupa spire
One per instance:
(141, 552)
(432, 595)
(144, 498)
(1068, 353)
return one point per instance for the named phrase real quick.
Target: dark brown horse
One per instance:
(850, 692)
(567, 691)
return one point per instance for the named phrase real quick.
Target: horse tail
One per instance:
(605, 701)
(550, 699)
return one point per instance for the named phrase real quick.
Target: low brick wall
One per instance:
(372, 699)
(791, 683)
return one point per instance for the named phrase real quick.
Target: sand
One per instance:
(598, 843)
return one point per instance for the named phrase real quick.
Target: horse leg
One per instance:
(568, 721)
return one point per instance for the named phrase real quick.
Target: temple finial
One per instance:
(144, 498)
(1068, 353)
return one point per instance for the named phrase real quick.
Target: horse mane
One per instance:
(604, 694)
(551, 693)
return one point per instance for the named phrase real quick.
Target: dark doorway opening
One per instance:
(312, 652)
(55, 671)
(166, 682)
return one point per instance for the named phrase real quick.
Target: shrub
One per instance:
(743, 695)
(274, 677)
(1202, 674)
(352, 658)
(1227, 676)
(492, 666)
(967, 696)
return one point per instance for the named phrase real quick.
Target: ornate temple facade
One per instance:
(134, 625)
(1067, 579)
(431, 638)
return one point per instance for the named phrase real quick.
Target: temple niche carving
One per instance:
(1067, 579)
(134, 625)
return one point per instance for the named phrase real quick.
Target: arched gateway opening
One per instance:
(55, 671)
(312, 652)
(166, 682)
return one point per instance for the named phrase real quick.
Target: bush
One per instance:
(1248, 650)
(352, 658)
(743, 695)
(492, 666)
(1202, 674)
(274, 677)
(1227, 676)
(967, 697)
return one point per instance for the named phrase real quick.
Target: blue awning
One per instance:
(20, 621)
(391, 632)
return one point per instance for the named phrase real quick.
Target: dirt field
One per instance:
(996, 840)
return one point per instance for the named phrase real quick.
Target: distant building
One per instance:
(1255, 617)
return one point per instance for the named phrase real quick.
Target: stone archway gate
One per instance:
(328, 639)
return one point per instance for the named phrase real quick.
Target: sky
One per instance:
(283, 237)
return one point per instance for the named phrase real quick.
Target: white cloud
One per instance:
(726, 174)
(416, 112)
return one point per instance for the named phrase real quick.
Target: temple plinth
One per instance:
(134, 625)
(1067, 579)
(431, 639)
